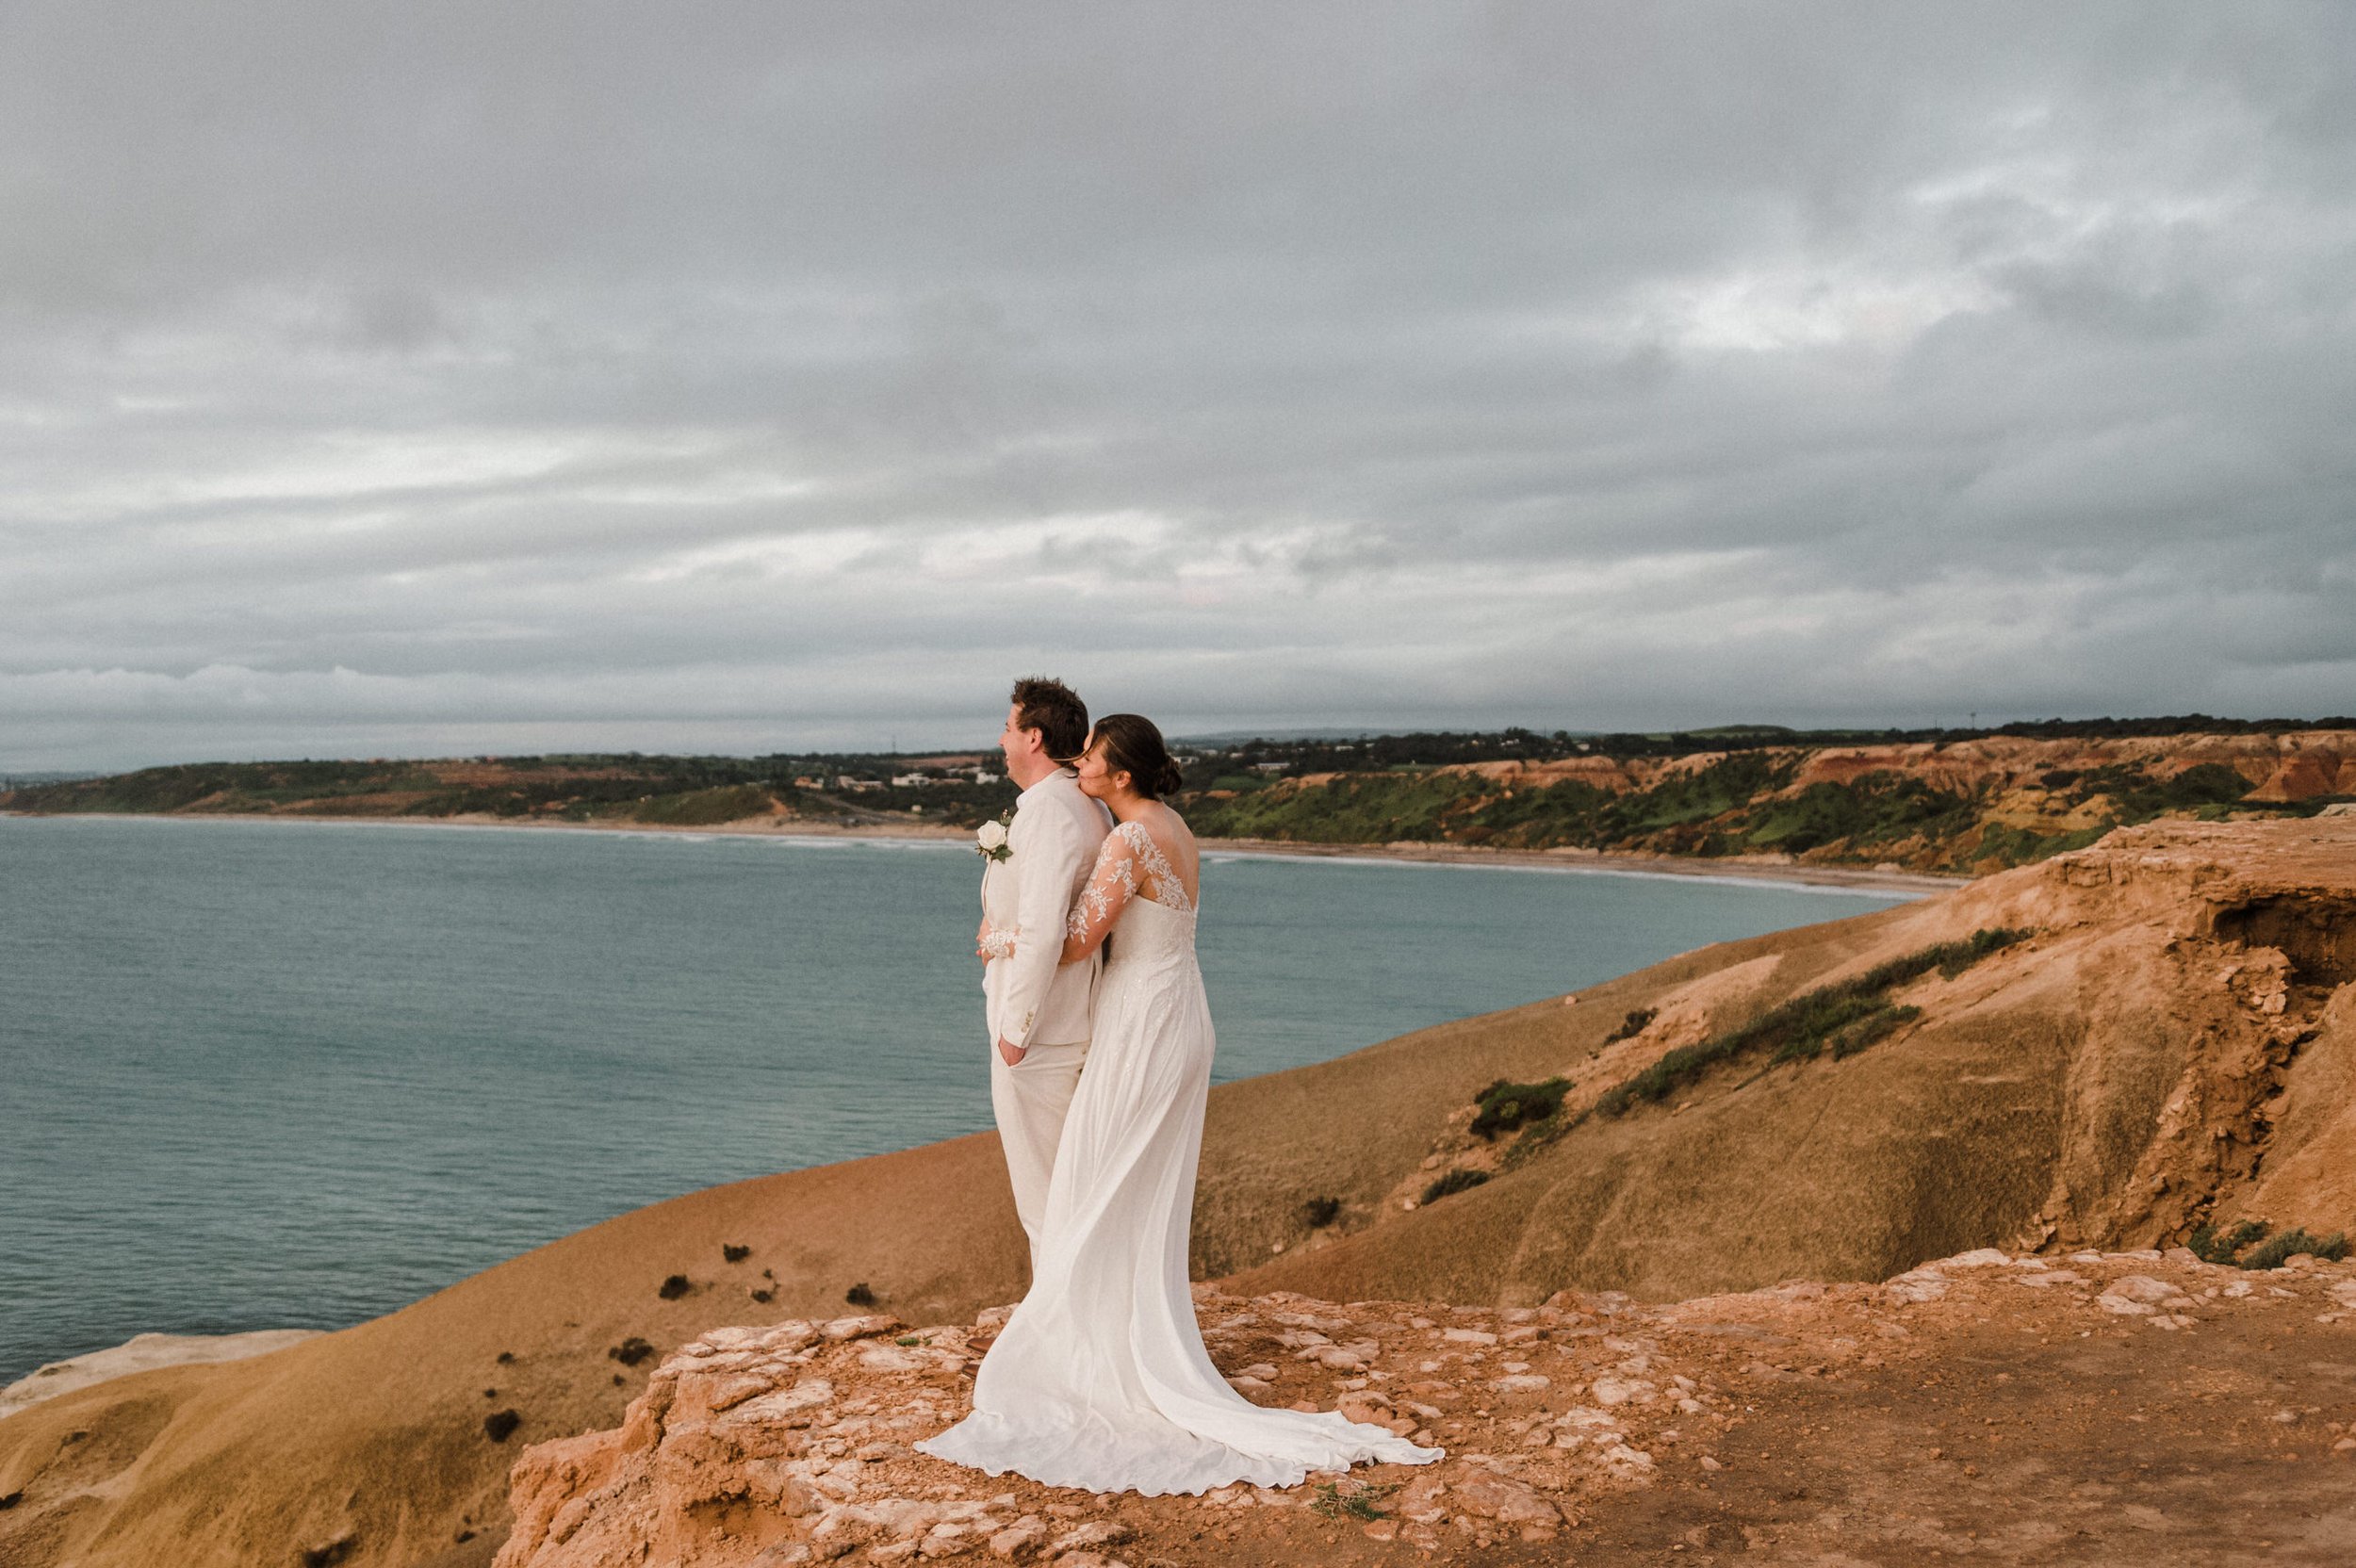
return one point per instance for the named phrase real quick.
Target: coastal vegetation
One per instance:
(2248, 1245)
(1967, 804)
(1842, 1018)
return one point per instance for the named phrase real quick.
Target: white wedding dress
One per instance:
(1100, 1380)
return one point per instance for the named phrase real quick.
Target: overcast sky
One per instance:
(441, 378)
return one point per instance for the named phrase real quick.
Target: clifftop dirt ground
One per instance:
(2088, 1409)
(2173, 1043)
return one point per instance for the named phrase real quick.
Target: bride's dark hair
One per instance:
(1134, 746)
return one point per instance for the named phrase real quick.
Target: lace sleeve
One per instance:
(1110, 887)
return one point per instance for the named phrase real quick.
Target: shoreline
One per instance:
(1593, 862)
(144, 1353)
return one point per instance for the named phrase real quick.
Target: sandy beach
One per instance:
(1782, 871)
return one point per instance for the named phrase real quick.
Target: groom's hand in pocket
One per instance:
(1013, 1054)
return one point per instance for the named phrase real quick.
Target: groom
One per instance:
(1038, 1012)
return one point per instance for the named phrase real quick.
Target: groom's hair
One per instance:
(1055, 711)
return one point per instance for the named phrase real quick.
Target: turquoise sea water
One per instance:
(261, 1074)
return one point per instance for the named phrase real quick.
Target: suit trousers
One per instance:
(1030, 1099)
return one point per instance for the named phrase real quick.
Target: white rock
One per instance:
(807, 1394)
(1020, 1536)
(1468, 1336)
(1607, 1390)
(1096, 1532)
(2139, 1287)
(1918, 1285)
(863, 1327)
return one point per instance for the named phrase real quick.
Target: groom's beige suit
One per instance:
(1031, 1000)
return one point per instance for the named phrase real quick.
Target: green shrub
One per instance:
(1798, 1030)
(2266, 1252)
(2286, 1244)
(1632, 1025)
(2209, 1247)
(1330, 1502)
(1454, 1180)
(1871, 1030)
(1321, 1211)
(1503, 1106)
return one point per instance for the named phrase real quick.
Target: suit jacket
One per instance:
(1057, 831)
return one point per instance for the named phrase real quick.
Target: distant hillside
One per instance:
(617, 790)
(1926, 801)
(1970, 806)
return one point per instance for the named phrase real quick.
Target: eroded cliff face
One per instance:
(2169, 1045)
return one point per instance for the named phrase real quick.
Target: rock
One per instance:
(1486, 1495)
(1468, 1336)
(784, 1403)
(865, 1326)
(1982, 1257)
(1918, 1285)
(1096, 1532)
(2133, 1295)
(1020, 1539)
(895, 1358)
(1608, 1391)
(734, 1391)
(1523, 1382)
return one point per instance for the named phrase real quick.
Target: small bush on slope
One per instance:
(1800, 1028)
(2209, 1247)
(1503, 1106)
(1453, 1182)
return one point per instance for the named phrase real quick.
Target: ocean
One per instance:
(258, 1074)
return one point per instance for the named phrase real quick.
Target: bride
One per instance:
(1100, 1380)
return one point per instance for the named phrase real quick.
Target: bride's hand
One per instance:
(989, 942)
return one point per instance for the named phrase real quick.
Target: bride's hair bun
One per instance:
(1133, 746)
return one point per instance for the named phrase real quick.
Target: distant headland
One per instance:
(1742, 798)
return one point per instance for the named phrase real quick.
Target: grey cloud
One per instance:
(748, 377)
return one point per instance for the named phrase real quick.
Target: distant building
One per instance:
(1269, 767)
(911, 780)
(844, 781)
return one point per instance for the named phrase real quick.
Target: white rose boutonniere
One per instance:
(990, 839)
